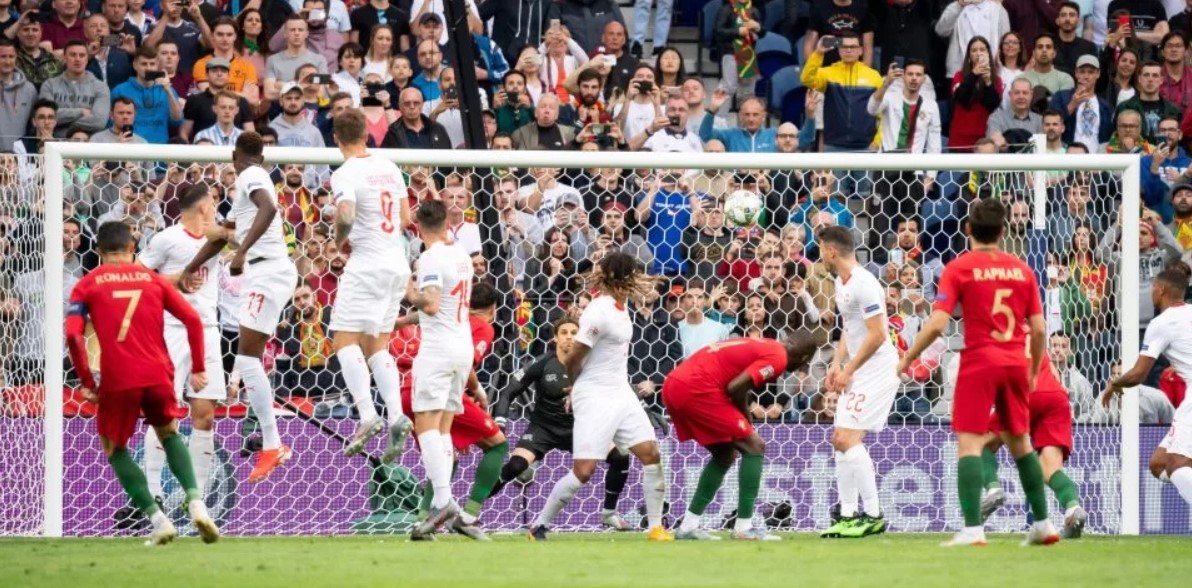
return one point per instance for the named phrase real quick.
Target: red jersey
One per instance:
(719, 363)
(1048, 381)
(125, 304)
(482, 339)
(997, 294)
(405, 342)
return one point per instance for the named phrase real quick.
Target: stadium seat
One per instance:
(794, 106)
(707, 28)
(783, 81)
(773, 42)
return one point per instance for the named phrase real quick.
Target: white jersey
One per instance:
(229, 297)
(271, 245)
(168, 253)
(857, 300)
(1170, 334)
(606, 329)
(377, 187)
(447, 266)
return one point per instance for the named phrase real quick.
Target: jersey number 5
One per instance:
(464, 291)
(387, 212)
(999, 308)
(134, 298)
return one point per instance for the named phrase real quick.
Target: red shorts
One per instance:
(705, 415)
(468, 428)
(1051, 421)
(116, 418)
(1000, 392)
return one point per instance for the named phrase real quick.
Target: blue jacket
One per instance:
(118, 70)
(1156, 190)
(153, 110)
(491, 59)
(738, 140)
(1059, 101)
(803, 213)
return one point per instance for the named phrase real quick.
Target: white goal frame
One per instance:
(1040, 163)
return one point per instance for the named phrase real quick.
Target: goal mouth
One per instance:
(323, 492)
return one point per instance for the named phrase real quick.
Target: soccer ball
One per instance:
(742, 208)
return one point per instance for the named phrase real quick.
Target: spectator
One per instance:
(350, 62)
(1017, 117)
(737, 28)
(696, 331)
(415, 130)
(515, 23)
(666, 208)
(1043, 72)
(446, 109)
(140, 18)
(420, 9)
(820, 199)
(191, 36)
(1148, 18)
(304, 366)
(294, 129)
(461, 230)
(656, 348)
(1167, 166)
(33, 59)
(224, 132)
(693, 93)
(402, 73)
(296, 203)
(545, 195)
(321, 39)
(285, 64)
(324, 281)
(158, 107)
(514, 108)
(671, 70)
(847, 86)
(644, 103)
(551, 273)
(668, 134)
(254, 41)
(108, 63)
(520, 231)
(561, 57)
(613, 43)
(1149, 103)
(839, 18)
(1063, 222)
(1127, 135)
(587, 19)
(907, 248)
(1177, 79)
(1011, 61)
(1181, 22)
(1032, 19)
(123, 129)
(1087, 118)
(378, 56)
(242, 75)
(430, 60)
(18, 94)
(1015, 240)
(26, 148)
(529, 63)
(586, 87)
(1119, 84)
(65, 24)
(965, 20)
(614, 235)
(976, 95)
(182, 82)
(1069, 46)
(1080, 390)
(366, 18)
(1181, 224)
(199, 112)
(545, 132)
(1157, 248)
(903, 28)
(749, 137)
(82, 99)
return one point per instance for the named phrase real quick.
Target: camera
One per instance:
(599, 129)
(154, 75)
(645, 86)
(374, 88)
(111, 41)
(674, 121)
(831, 43)
(451, 93)
(512, 98)
(317, 14)
(321, 79)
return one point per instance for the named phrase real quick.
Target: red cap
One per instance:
(614, 205)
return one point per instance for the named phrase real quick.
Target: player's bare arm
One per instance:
(405, 321)
(216, 241)
(476, 391)
(574, 362)
(266, 211)
(426, 300)
(1130, 379)
(875, 335)
(345, 217)
(838, 358)
(738, 391)
(932, 329)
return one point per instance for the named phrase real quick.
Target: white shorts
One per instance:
(179, 348)
(368, 297)
(438, 382)
(1179, 437)
(866, 404)
(607, 418)
(268, 289)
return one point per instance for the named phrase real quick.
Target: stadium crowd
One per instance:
(919, 76)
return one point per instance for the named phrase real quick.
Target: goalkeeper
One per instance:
(551, 423)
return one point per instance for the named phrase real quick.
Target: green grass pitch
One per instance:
(582, 560)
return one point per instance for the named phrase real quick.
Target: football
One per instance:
(742, 208)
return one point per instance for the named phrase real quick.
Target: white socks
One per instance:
(691, 522)
(846, 485)
(560, 495)
(654, 487)
(438, 472)
(355, 372)
(155, 461)
(202, 450)
(865, 478)
(388, 379)
(1182, 480)
(260, 398)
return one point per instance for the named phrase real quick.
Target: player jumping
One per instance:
(606, 409)
(168, 253)
(1167, 334)
(551, 423)
(866, 384)
(370, 218)
(1001, 309)
(1051, 435)
(444, 359)
(707, 398)
(269, 283)
(126, 303)
(471, 427)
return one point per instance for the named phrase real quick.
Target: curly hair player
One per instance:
(607, 411)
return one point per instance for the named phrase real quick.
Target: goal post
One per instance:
(1124, 167)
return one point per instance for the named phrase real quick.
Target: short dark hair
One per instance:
(1070, 4)
(1053, 112)
(45, 103)
(124, 100)
(146, 52)
(987, 220)
(1169, 36)
(1079, 145)
(566, 320)
(1150, 63)
(350, 127)
(113, 237)
(1044, 35)
(74, 43)
(513, 72)
(250, 143)
(6, 42)
(432, 215)
(837, 236)
(266, 132)
(193, 196)
(356, 48)
(484, 296)
(913, 61)
(1174, 279)
(588, 75)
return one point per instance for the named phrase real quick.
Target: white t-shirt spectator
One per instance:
(550, 201)
(667, 141)
(467, 235)
(639, 118)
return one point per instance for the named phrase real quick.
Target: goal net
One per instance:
(535, 222)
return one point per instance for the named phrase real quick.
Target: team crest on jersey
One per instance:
(845, 298)
(767, 372)
(593, 331)
(482, 347)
